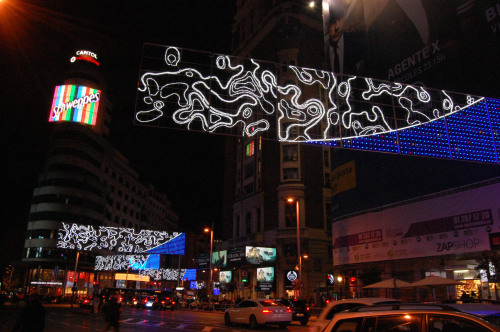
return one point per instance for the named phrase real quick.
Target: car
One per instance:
(332, 308)
(300, 310)
(146, 302)
(164, 303)
(408, 317)
(255, 312)
(86, 302)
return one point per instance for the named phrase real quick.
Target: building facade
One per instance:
(326, 183)
(273, 187)
(85, 181)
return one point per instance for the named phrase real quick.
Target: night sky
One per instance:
(37, 39)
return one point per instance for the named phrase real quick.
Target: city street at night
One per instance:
(65, 318)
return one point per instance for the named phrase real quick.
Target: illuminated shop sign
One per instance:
(83, 55)
(46, 283)
(75, 103)
(131, 277)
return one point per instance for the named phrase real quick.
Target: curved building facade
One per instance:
(86, 181)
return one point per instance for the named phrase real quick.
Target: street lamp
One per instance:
(291, 200)
(211, 231)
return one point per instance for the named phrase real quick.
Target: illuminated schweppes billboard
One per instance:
(75, 103)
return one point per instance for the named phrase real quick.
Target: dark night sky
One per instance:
(37, 38)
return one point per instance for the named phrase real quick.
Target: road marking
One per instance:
(182, 326)
(142, 322)
(126, 320)
(207, 329)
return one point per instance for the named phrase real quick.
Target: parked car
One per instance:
(300, 310)
(408, 317)
(256, 312)
(164, 303)
(334, 307)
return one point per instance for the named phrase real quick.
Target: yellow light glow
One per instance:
(312, 4)
(290, 200)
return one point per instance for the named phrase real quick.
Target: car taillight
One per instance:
(173, 302)
(162, 302)
(266, 311)
(308, 308)
(145, 300)
(85, 301)
(288, 310)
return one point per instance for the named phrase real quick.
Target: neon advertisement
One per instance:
(75, 103)
(124, 240)
(192, 90)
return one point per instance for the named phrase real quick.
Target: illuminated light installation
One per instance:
(170, 274)
(124, 262)
(75, 103)
(125, 240)
(193, 90)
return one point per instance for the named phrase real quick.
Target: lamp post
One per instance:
(211, 230)
(299, 256)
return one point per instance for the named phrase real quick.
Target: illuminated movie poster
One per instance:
(225, 276)
(260, 255)
(265, 278)
(219, 258)
(411, 41)
(75, 103)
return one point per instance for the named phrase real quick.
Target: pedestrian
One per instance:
(111, 311)
(32, 317)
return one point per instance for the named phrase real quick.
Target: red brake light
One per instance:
(288, 310)
(307, 308)
(266, 311)
(173, 302)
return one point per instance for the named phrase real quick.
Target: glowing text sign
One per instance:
(75, 103)
(84, 55)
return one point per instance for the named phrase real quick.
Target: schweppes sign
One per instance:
(344, 177)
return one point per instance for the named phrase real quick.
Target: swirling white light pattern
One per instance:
(313, 105)
(124, 262)
(124, 240)
(169, 274)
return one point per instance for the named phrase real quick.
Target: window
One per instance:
(290, 153)
(444, 323)
(290, 215)
(290, 173)
(348, 325)
(248, 170)
(405, 323)
(248, 223)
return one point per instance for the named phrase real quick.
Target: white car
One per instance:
(334, 307)
(409, 318)
(255, 312)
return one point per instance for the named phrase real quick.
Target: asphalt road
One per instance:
(64, 318)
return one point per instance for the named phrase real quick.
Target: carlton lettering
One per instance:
(77, 103)
(457, 245)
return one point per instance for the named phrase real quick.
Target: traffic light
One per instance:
(352, 281)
